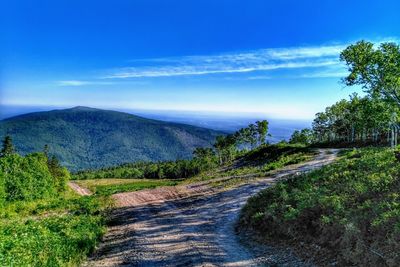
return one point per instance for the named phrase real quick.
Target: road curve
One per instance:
(193, 231)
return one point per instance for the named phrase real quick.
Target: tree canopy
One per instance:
(377, 70)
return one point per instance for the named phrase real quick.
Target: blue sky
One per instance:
(278, 58)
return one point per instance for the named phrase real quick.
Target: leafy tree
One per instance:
(60, 174)
(203, 152)
(357, 120)
(243, 137)
(26, 178)
(8, 147)
(377, 70)
(225, 147)
(253, 135)
(305, 136)
(262, 129)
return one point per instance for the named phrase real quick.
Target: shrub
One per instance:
(53, 241)
(26, 178)
(351, 208)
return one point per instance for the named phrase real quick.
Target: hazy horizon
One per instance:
(280, 129)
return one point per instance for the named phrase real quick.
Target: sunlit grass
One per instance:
(106, 187)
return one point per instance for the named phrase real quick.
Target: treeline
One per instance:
(372, 119)
(357, 120)
(365, 119)
(204, 159)
(29, 177)
(225, 149)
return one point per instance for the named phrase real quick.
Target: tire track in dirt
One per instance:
(198, 230)
(79, 189)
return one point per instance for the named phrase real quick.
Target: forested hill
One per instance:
(83, 137)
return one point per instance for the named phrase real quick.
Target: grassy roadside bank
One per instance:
(259, 162)
(42, 222)
(58, 231)
(107, 187)
(347, 213)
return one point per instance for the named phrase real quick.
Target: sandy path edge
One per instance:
(79, 189)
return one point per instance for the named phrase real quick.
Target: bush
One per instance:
(350, 208)
(26, 178)
(2, 190)
(53, 241)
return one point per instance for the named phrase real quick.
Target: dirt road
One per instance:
(79, 190)
(193, 231)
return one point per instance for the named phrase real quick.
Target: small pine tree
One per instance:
(8, 147)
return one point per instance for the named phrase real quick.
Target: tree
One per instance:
(376, 70)
(225, 147)
(60, 174)
(262, 129)
(243, 137)
(253, 135)
(8, 147)
(305, 136)
(203, 152)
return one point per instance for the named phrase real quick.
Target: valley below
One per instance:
(193, 224)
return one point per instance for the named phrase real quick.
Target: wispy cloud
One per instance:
(81, 83)
(257, 60)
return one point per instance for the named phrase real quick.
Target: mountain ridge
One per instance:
(84, 137)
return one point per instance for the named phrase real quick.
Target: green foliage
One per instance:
(377, 70)
(304, 136)
(358, 120)
(370, 119)
(106, 190)
(259, 161)
(26, 178)
(228, 147)
(60, 174)
(3, 194)
(8, 147)
(40, 223)
(159, 170)
(86, 138)
(350, 208)
(262, 131)
(55, 232)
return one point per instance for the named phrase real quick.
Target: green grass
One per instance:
(106, 187)
(52, 232)
(351, 209)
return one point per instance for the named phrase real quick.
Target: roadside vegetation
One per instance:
(106, 187)
(259, 162)
(347, 213)
(349, 209)
(43, 223)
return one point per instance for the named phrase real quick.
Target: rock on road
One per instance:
(193, 231)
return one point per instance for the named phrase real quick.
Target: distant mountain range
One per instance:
(84, 138)
(280, 129)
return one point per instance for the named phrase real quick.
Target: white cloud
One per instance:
(324, 57)
(235, 67)
(257, 60)
(81, 83)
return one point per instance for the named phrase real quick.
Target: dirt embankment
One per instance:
(79, 189)
(191, 225)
